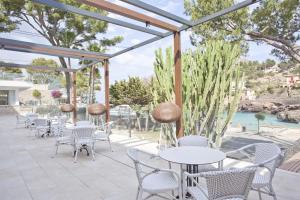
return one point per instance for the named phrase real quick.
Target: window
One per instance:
(4, 97)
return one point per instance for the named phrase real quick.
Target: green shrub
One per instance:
(270, 89)
(36, 94)
(50, 109)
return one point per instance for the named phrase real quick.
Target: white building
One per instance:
(9, 91)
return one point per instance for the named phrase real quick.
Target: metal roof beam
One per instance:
(13, 65)
(158, 11)
(79, 11)
(87, 65)
(196, 23)
(15, 45)
(141, 44)
(110, 7)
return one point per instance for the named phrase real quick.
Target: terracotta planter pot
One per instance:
(96, 109)
(67, 108)
(166, 112)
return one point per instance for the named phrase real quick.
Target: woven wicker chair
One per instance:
(103, 135)
(83, 136)
(232, 184)
(267, 157)
(155, 182)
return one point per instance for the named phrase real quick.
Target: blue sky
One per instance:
(138, 62)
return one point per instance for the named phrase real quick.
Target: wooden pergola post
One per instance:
(106, 80)
(74, 97)
(178, 81)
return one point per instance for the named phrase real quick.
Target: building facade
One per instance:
(9, 91)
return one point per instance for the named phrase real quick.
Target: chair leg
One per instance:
(272, 192)
(56, 149)
(76, 153)
(259, 194)
(138, 193)
(93, 152)
(180, 193)
(109, 144)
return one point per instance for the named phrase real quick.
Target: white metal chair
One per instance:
(30, 120)
(21, 121)
(83, 137)
(58, 130)
(103, 135)
(57, 125)
(267, 157)
(200, 141)
(155, 182)
(233, 184)
(41, 126)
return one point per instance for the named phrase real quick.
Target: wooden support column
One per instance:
(178, 81)
(74, 97)
(106, 80)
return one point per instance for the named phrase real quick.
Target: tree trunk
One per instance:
(93, 84)
(67, 76)
(89, 94)
(257, 126)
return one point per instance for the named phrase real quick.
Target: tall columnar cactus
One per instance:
(211, 86)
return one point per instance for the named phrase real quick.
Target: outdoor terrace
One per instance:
(29, 171)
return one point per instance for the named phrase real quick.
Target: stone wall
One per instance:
(26, 95)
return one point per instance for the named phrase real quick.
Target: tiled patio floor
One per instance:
(28, 171)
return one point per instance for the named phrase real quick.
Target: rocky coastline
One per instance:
(287, 110)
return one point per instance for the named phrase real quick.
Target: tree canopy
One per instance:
(274, 22)
(133, 91)
(58, 27)
(43, 76)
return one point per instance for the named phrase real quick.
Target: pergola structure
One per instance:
(171, 29)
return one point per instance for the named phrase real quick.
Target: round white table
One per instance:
(192, 156)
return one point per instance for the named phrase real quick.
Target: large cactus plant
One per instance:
(211, 86)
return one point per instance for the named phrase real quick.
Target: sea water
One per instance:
(248, 120)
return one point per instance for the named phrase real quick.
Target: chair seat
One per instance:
(199, 195)
(100, 135)
(83, 141)
(64, 140)
(159, 182)
(261, 178)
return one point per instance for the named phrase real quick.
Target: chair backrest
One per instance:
(266, 151)
(32, 117)
(83, 123)
(40, 122)
(233, 183)
(58, 125)
(193, 140)
(83, 133)
(133, 154)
